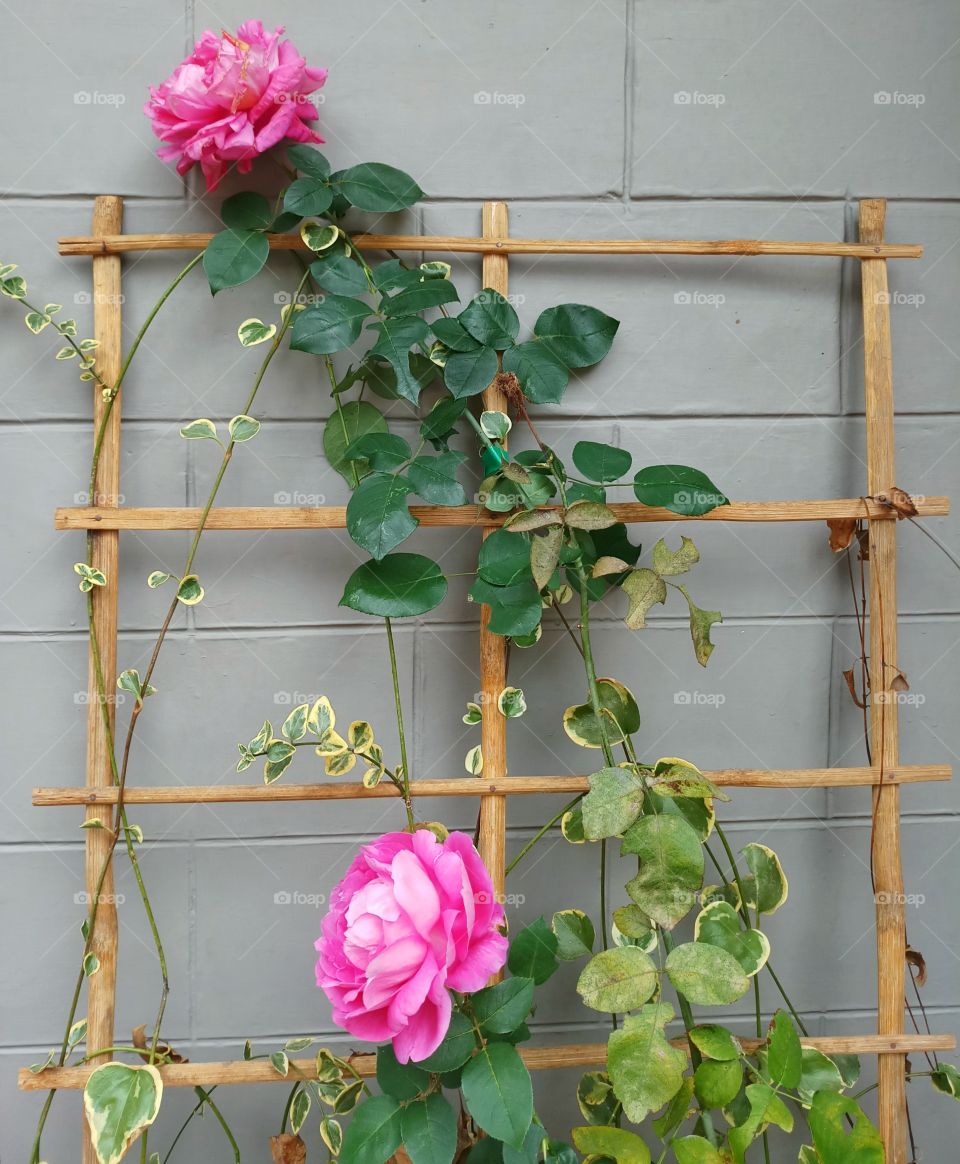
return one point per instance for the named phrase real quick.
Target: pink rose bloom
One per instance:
(412, 919)
(233, 98)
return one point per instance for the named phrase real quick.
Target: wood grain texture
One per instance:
(501, 244)
(468, 786)
(492, 835)
(884, 727)
(269, 517)
(536, 1058)
(105, 556)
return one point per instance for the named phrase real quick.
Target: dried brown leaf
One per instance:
(164, 1051)
(899, 682)
(287, 1149)
(842, 530)
(916, 960)
(852, 688)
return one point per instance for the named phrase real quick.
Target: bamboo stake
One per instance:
(269, 517)
(885, 844)
(536, 1058)
(465, 786)
(105, 556)
(492, 823)
(500, 243)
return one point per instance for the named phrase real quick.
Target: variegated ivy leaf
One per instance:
(258, 745)
(473, 714)
(495, 424)
(120, 1101)
(67, 327)
(254, 331)
(157, 578)
(36, 1068)
(130, 680)
(7, 269)
(433, 270)
(332, 1135)
(89, 577)
(319, 237)
(295, 725)
(511, 702)
(201, 429)
(474, 761)
(322, 717)
(340, 764)
(88, 345)
(280, 1063)
(300, 1043)
(14, 287)
(91, 964)
(135, 832)
(571, 826)
(274, 769)
(93, 823)
(372, 777)
(52, 308)
(189, 592)
(360, 735)
(246, 758)
(299, 1110)
(766, 888)
(278, 750)
(36, 321)
(66, 353)
(331, 744)
(243, 428)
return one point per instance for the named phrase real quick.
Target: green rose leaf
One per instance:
(378, 188)
(612, 1144)
(498, 1093)
(818, 1072)
(645, 1070)
(500, 1009)
(533, 952)
(618, 980)
(574, 334)
(119, 1102)
(696, 1150)
(398, 586)
(431, 293)
(395, 338)
(514, 610)
(720, 925)
(329, 326)
(383, 452)
(374, 1132)
(602, 463)
(715, 1042)
(377, 515)
(671, 867)
(453, 335)
(575, 934)
(434, 478)
(706, 975)
(458, 1045)
(309, 161)
(491, 320)
(401, 1080)
(469, 373)
(504, 558)
(678, 488)
(765, 1108)
(246, 211)
(718, 1082)
(234, 256)
(429, 1130)
(308, 196)
(339, 274)
(354, 419)
(619, 713)
(613, 803)
(834, 1141)
(542, 376)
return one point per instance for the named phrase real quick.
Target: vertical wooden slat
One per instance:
(101, 987)
(887, 870)
(493, 648)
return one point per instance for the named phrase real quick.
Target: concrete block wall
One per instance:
(694, 118)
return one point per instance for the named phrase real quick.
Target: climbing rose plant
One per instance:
(414, 933)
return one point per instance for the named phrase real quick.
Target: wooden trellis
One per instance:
(105, 518)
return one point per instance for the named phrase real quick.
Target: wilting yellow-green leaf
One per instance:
(643, 589)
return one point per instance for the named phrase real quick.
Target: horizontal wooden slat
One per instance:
(537, 1058)
(120, 243)
(335, 516)
(468, 786)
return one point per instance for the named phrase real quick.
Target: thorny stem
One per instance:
(408, 804)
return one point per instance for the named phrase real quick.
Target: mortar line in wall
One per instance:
(831, 708)
(629, 74)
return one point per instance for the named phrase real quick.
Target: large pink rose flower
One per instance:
(413, 918)
(233, 98)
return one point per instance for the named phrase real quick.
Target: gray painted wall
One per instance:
(586, 135)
